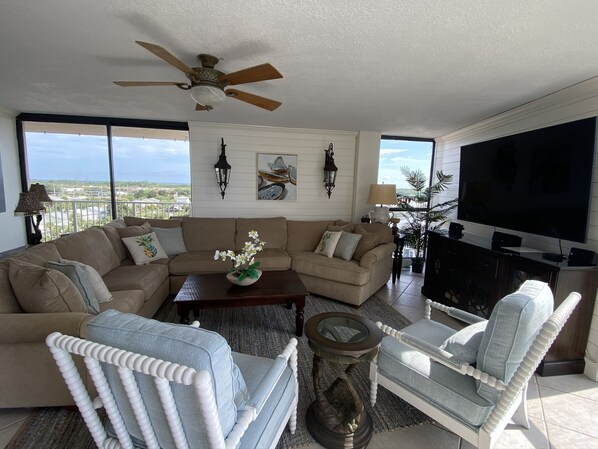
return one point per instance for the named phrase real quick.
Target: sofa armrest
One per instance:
(380, 252)
(35, 327)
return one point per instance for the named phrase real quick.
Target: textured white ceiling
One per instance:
(405, 67)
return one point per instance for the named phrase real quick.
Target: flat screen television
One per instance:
(538, 182)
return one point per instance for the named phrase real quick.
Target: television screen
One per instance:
(539, 182)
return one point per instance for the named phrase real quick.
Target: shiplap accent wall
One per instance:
(574, 103)
(13, 228)
(244, 142)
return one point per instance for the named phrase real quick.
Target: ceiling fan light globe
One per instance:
(207, 95)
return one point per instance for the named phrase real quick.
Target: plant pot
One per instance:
(233, 278)
(417, 265)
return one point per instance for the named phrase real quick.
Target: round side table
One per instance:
(337, 418)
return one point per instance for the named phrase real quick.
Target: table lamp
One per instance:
(381, 194)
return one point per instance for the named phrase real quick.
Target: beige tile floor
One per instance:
(563, 409)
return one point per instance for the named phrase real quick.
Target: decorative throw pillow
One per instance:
(328, 243)
(144, 248)
(369, 240)
(133, 231)
(346, 246)
(42, 290)
(79, 278)
(171, 240)
(465, 343)
(93, 277)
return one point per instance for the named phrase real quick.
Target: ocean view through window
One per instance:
(150, 173)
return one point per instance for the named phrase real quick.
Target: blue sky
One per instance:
(397, 153)
(85, 158)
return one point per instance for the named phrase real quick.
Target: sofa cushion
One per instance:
(305, 235)
(273, 259)
(328, 243)
(110, 229)
(8, 300)
(346, 246)
(198, 262)
(154, 222)
(209, 233)
(368, 241)
(145, 248)
(125, 301)
(512, 326)
(452, 391)
(43, 290)
(134, 231)
(196, 348)
(347, 227)
(273, 231)
(137, 277)
(99, 287)
(91, 247)
(171, 240)
(384, 231)
(306, 262)
(79, 278)
(38, 255)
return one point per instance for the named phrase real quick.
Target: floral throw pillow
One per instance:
(144, 248)
(328, 243)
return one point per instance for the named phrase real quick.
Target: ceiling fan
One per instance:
(207, 84)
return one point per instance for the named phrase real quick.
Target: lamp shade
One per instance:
(382, 194)
(29, 204)
(40, 191)
(207, 95)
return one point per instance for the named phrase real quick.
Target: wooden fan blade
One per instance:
(201, 107)
(255, 100)
(146, 83)
(165, 55)
(251, 75)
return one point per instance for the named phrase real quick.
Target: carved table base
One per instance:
(339, 440)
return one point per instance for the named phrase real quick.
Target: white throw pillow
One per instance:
(328, 243)
(93, 277)
(145, 248)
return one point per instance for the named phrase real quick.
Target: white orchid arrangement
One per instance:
(244, 261)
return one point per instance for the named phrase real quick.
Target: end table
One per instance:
(337, 418)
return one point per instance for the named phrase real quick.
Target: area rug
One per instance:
(263, 331)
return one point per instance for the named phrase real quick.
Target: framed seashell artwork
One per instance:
(276, 177)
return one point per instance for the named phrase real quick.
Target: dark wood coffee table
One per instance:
(209, 291)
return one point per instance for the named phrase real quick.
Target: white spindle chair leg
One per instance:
(79, 392)
(172, 415)
(108, 402)
(132, 390)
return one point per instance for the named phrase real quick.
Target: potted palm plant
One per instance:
(420, 214)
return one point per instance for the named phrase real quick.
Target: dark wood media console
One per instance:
(467, 273)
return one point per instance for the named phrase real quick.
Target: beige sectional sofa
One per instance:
(29, 376)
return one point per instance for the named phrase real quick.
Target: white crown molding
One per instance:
(565, 97)
(208, 125)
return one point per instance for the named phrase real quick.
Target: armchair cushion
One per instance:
(465, 343)
(261, 433)
(447, 389)
(193, 347)
(513, 324)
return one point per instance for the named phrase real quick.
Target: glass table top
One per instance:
(343, 330)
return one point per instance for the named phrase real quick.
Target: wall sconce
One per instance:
(222, 168)
(329, 170)
(30, 205)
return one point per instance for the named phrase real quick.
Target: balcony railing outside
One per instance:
(65, 216)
